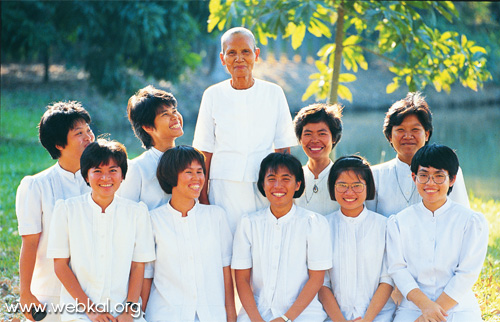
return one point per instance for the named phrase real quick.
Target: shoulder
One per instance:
(211, 210)
(269, 87)
(42, 176)
(467, 214)
(383, 167)
(217, 87)
(311, 217)
(131, 205)
(377, 217)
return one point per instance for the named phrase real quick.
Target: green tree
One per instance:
(419, 53)
(108, 38)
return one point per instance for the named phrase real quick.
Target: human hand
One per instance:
(432, 312)
(397, 296)
(125, 317)
(101, 317)
(29, 301)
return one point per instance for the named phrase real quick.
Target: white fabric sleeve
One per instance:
(242, 245)
(397, 265)
(204, 133)
(384, 275)
(58, 242)
(459, 191)
(472, 255)
(144, 250)
(130, 188)
(372, 204)
(285, 134)
(29, 207)
(226, 237)
(319, 244)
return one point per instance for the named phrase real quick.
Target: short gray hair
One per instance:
(234, 31)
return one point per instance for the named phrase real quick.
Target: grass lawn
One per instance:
(21, 154)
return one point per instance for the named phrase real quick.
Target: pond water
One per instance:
(474, 134)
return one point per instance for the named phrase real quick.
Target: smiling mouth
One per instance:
(195, 186)
(278, 194)
(106, 185)
(349, 200)
(176, 126)
(316, 149)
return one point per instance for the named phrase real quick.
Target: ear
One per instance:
(257, 53)
(297, 185)
(148, 129)
(452, 180)
(427, 133)
(223, 62)
(414, 177)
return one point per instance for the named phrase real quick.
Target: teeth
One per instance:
(349, 200)
(176, 126)
(315, 149)
(195, 186)
(106, 185)
(278, 194)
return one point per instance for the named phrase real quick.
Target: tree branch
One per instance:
(395, 62)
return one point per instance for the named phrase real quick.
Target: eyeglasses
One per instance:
(438, 178)
(356, 187)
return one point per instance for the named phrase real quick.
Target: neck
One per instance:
(102, 202)
(434, 205)
(280, 211)
(353, 213)
(242, 82)
(317, 166)
(182, 204)
(69, 164)
(404, 159)
(165, 145)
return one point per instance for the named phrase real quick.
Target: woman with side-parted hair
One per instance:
(407, 127)
(318, 128)
(358, 285)
(280, 253)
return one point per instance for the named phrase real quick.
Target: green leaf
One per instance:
(312, 89)
(392, 86)
(347, 78)
(345, 93)
(298, 36)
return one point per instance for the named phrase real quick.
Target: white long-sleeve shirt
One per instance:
(437, 252)
(359, 263)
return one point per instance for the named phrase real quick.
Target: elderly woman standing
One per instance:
(239, 122)
(407, 127)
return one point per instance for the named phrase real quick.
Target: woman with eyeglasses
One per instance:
(358, 286)
(407, 127)
(436, 248)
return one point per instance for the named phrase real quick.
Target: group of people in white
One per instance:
(168, 233)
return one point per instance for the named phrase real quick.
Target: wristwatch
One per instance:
(134, 307)
(285, 318)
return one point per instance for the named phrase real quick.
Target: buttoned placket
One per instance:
(184, 228)
(275, 260)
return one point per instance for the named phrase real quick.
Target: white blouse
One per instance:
(440, 252)
(241, 127)
(395, 189)
(359, 263)
(101, 247)
(35, 201)
(191, 252)
(141, 183)
(317, 199)
(280, 252)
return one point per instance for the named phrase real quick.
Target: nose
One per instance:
(407, 134)
(90, 136)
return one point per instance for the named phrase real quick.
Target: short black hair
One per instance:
(101, 152)
(142, 109)
(57, 121)
(275, 160)
(316, 113)
(357, 164)
(436, 156)
(413, 104)
(173, 162)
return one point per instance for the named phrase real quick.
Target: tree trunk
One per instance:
(46, 64)
(339, 40)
